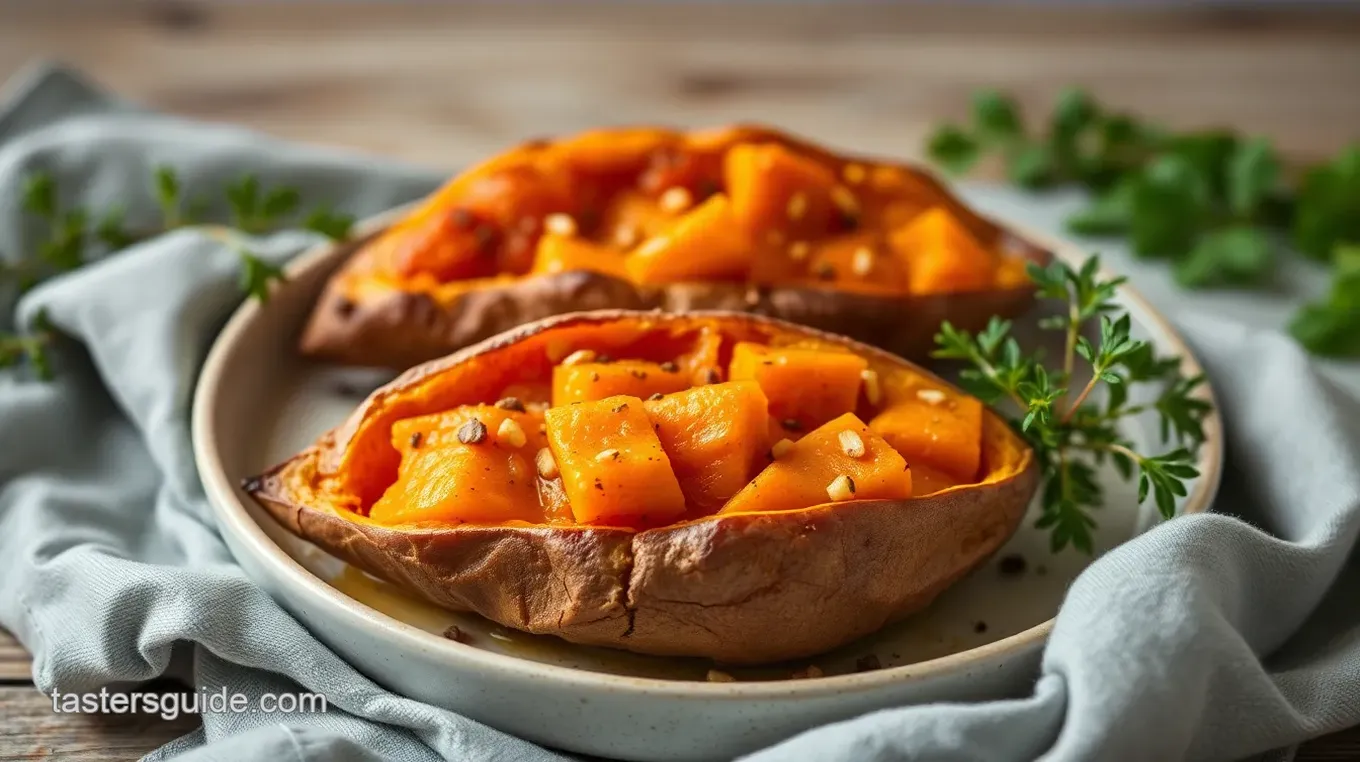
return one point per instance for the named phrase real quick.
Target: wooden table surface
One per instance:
(445, 85)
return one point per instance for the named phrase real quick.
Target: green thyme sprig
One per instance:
(1070, 431)
(1217, 205)
(74, 233)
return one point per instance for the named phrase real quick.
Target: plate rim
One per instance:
(232, 515)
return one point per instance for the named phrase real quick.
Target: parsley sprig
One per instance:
(1217, 205)
(1071, 432)
(73, 234)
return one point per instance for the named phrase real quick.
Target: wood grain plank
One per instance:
(446, 84)
(33, 731)
(15, 664)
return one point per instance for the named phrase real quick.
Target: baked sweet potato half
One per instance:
(712, 484)
(740, 218)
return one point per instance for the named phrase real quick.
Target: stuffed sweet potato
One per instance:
(740, 218)
(712, 484)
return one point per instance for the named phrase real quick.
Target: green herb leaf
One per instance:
(30, 349)
(996, 117)
(1327, 213)
(1167, 207)
(168, 195)
(39, 195)
(257, 276)
(1253, 172)
(243, 198)
(1230, 256)
(1331, 325)
(1067, 429)
(279, 202)
(110, 229)
(1032, 166)
(1110, 214)
(332, 224)
(953, 149)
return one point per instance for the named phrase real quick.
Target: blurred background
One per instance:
(445, 83)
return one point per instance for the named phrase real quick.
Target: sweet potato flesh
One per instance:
(634, 425)
(652, 207)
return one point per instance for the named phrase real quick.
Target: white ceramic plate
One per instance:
(257, 403)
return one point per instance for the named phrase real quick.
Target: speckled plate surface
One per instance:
(258, 403)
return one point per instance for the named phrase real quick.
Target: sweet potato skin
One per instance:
(714, 587)
(396, 328)
(401, 329)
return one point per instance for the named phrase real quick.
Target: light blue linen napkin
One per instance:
(1211, 637)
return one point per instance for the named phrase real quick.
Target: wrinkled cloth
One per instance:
(1211, 637)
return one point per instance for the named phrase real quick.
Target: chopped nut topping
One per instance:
(656, 396)
(510, 403)
(670, 367)
(579, 356)
(718, 676)
(852, 445)
(416, 439)
(560, 224)
(791, 424)
(798, 250)
(472, 432)
(841, 488)
(675, 200)
(626, 236)
(873, 391)
(547, 466)
(454, 633)
(854, 173)
(797, 206)
(510, 434)
(781, 448)
(826, 271)
(933, 396)
(845, 201)
(862, 261)
(610, 454)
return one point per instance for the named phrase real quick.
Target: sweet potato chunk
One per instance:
(714, 436)
(805, 387)
(774, 188)
(942, 256)
(859, 262)
(824, 467)
(704, 244)
(586, 382)
(559, 253)
(632, 217)
(613, 468)
(938, 429)
(462, 466)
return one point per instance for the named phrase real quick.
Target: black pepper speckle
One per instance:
(1012, 565)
